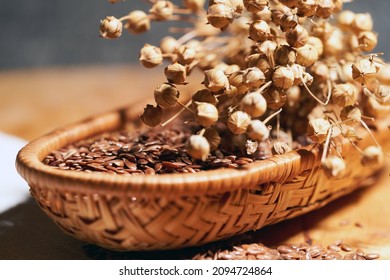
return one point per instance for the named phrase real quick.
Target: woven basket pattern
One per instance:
(143, 217)
(141, 223)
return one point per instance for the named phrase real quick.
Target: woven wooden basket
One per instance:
(180, 210)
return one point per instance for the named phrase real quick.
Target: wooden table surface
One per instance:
(33, 102)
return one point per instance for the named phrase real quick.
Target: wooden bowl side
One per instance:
(174, 211)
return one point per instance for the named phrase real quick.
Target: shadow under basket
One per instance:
(180, 210)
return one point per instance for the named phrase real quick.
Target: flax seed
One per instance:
(150, 171)
(136, 149)
(284, 249)
(142, 161)
(130, 165)
(371, 256)
(346, 248)
(334, 248)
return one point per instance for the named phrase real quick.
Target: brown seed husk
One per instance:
(254, 104)
(238, 122)
(283, 78)
(110, 28)
(166, 95)
(137, 22)
(206, 114)
(152, 116)
(198, 147)
(318, 130)
(333, 166)
(344, 95)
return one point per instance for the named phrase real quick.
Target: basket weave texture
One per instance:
(180, 210)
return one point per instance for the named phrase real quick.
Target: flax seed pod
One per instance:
(212, 136)
(152, 116)
(175, 73)
(168, 45)
(367, 41)
(253, 77)
(344, 95)
(150, 56)
(345, 20)
(350, 134)
(364, 72)
(207, 61)
(334, 166)
(255, 6)
(238, 58)
(320, 72)
(374, 108)
(257, 130)
(317, 43)
(372, 155)
(318, 130)
(351, 115)
(220, 15)
(251, 146)
(278, 12)
(293, 96)
(206, 114)
(325, 8)
(289, 21)
(162, 10)
(297, 37)
(240, 25)
(334, 44)
(238, 122)
(268, 47)
(198, 147)
(205, 95)
(110, 28)
(265, 14)
(166, 95)
(307, 55)
(259, 31)
(275, 97)
(307, 8)
(298, 71)
(230, 69)
(353, 43)
(346, 70)
(283, 77)
(254, 104)
(236, 79)
(322, 30)
(185, 54)
(285, 55)
(237, 5)
(222, 66)
(383, 75)
(280, 148)
(215, 80)
(362, 22)
(194, 44)
(137, 22)
(260, 61)
(382, 94)
(307, 78)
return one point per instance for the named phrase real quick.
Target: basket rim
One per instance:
(278, 168)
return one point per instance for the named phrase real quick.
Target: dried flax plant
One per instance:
(274, 71)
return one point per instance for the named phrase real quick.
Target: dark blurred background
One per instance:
(56, 32)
